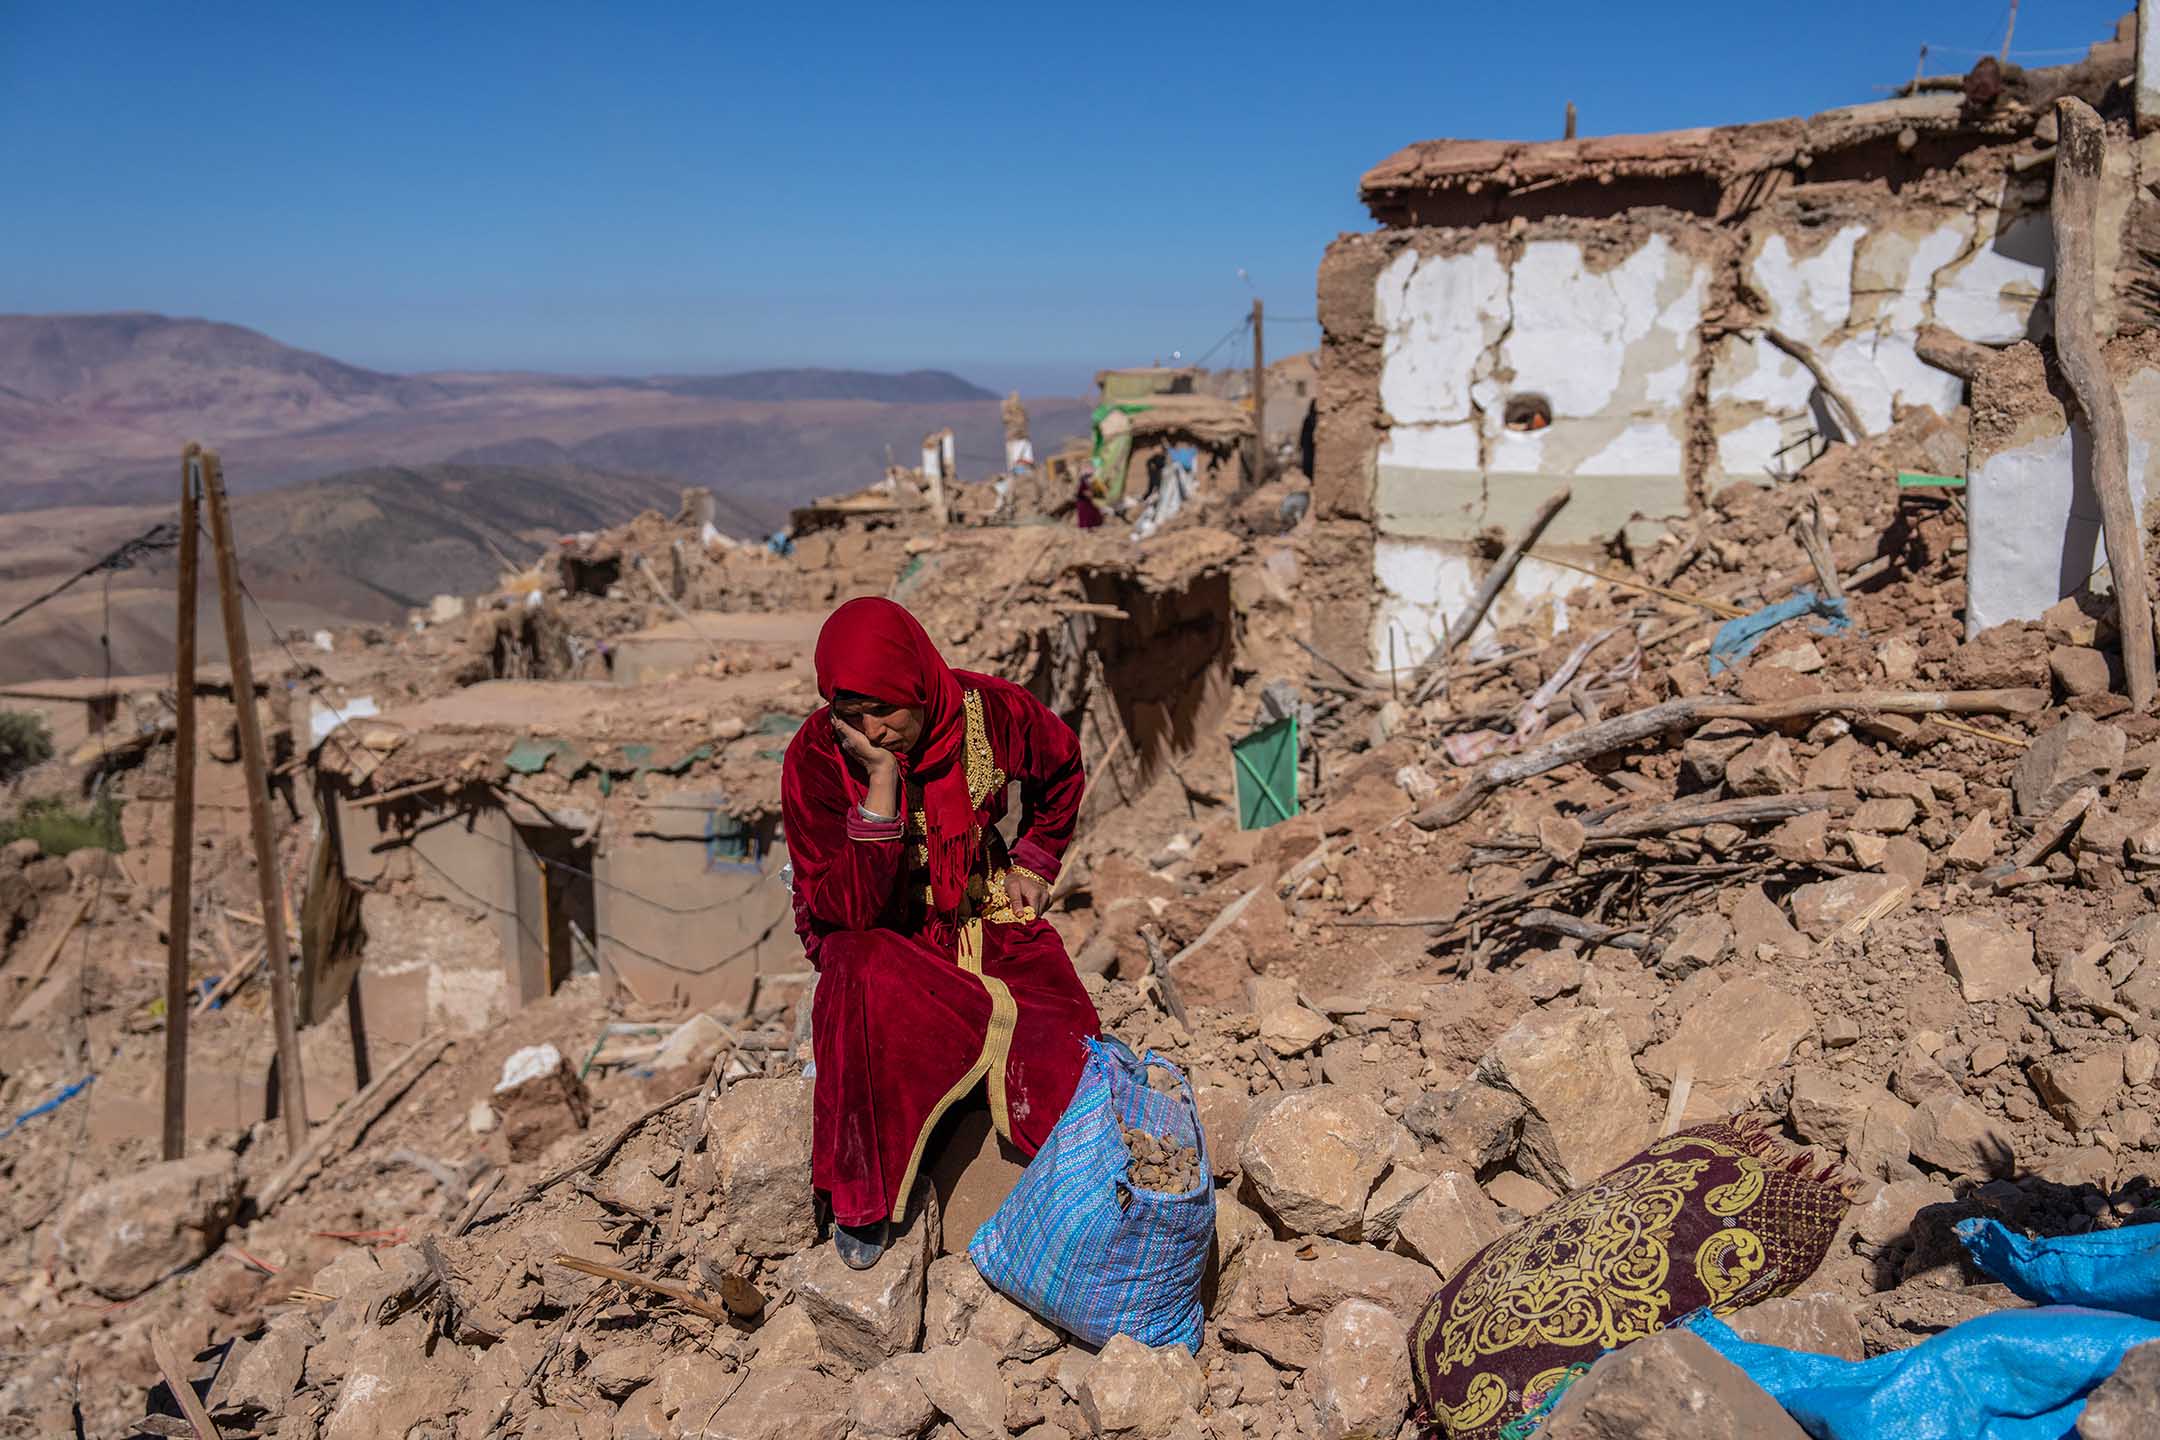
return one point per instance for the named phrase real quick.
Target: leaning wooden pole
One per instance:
(177, 924)
(2079, 158)
(292, 1094)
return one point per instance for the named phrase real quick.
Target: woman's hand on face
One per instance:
(858, 747)
(1024, 892)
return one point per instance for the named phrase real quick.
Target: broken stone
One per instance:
(539, 1101)
(1991, 960)
(1758, 921)
(1706, 753)
(385, 1392)
(773, 1405)
(1518, 1192)
(1840, 1032)
(1764, 767)
(1360, 1386)
(1883, 1145)
(1223, 1110)
(619, 1369)
(865, 1316)
(1284, 1291)
(1561, 837)
(1462, 1019)
(1954, 1135)
(1733, 1043)
(1478, 1123)
(694, 1042)
(1451, 1219)
(888, 1402)
(1138, 1392)
(1292, 1029)
(1802, 839)
(2078, 1092)
(256, 1385)
(2078, 670)
(126, 1234)
(1804, 658)
(1397, 1191)
(1700, 943)
(759, 1134)
(1823, 1110)
(963, 1382)
(1668, 1386)
(1886, 1218)
(1890, 816)
(1821, 909)
(2141, 1061)
(1974, 848)
(1549, 974)
(1586, 1109)
(1314, 1157)
(2126, 1405)
(1919, 1079)
(2080, 984)
(962, 1306)
(1817, 1324)
(2075, 753)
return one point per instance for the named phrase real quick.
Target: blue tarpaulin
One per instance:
(1735, 639)
(2012, 1375)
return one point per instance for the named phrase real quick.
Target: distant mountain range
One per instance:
(94, 409)
(361, 493)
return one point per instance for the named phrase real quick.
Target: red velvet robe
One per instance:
(914, 1008)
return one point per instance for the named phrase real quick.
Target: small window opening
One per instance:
(1527, 412)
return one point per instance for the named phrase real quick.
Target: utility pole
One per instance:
(178, 919)
(2008, 31)
(292, 1092)
(1259, 394)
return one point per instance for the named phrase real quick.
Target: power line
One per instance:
(162, 536)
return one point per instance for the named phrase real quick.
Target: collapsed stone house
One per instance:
(1647, 319)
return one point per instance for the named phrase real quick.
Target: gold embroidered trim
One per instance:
(996, 1051)
(983, 776)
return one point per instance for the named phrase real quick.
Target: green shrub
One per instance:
(24, 742)
(60, 828)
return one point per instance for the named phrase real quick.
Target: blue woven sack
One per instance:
(1078, 1244)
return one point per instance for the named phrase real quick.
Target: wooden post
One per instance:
(292, 1090)
(1259, 394)
(2080, 156)
(183, 838)
(1570, 120)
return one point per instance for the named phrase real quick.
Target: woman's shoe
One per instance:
(861, 1246)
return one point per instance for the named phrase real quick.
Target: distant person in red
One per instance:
(1085, 511)
(934, 972)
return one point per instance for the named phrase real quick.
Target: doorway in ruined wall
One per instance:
(551, 880)
(1167, 666)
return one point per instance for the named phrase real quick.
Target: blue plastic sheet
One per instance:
(49, 1106)
(2107, 1269)
(1736, 639)
(2012, 1375)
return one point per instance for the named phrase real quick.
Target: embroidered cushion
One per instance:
(1716, 1216)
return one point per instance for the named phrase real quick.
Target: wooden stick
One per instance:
(269, 874)
(1951, 352)
(1624, 730)
(1362, 686)
(1560, 923)
(2050, 833)
(168, 1364)
(1160, 968)
(1716, 607)
(1689, 814)
(353, 1119)
(1803, 353)
(181, 910)
(1424, 679)
(233, 980)
(675, 1293)
(1963, 729)
(418, 787)
(2074, 211)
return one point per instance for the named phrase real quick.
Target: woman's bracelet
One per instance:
(872, 816)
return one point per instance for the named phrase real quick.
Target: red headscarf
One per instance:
(876, 648)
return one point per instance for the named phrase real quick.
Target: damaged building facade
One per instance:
(1647, 319)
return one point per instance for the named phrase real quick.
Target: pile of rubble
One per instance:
(1880, 891)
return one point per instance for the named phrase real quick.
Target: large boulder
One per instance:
(1668, 1386)
(962, 1306)
(1314, 1156)
(2079, 1091)
(864, 1317)
(759, 1135)
(1284, 1293)
(1360, 1385)
(123, 1236)
(1586, 1109)
(1734, 1044)
(963, 1382)
(2076, 752)
(1451, 1219)
(773, 1405)
(1952, 1134)
(1140, 1393)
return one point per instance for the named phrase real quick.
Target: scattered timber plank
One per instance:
(353, 1120)
(176, 1380)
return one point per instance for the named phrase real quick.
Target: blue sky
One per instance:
(1021, 193)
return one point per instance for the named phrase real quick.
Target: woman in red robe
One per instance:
(935, 973)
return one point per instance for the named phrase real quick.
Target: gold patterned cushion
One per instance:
(1718, 1215)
